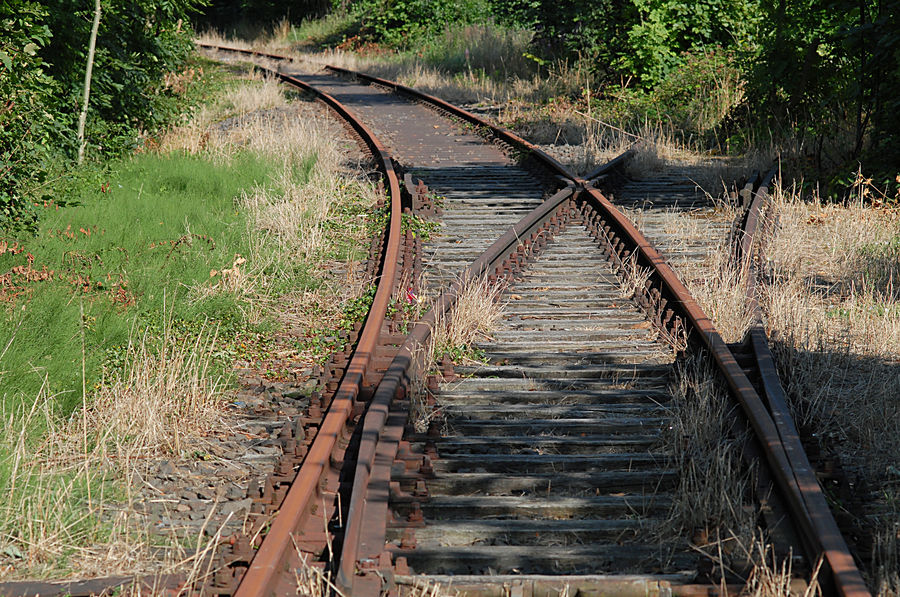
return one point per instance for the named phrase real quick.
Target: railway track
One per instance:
(542, 469)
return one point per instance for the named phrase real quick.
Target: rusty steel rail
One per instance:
(306, 492)
(363, 542)
(676, 310)
(246, 51)
(821, 534)
(501, 134)
(787, 461)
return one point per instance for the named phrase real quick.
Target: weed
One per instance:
(833, 312)
(476, 312)
(712, 499)
(419, 226)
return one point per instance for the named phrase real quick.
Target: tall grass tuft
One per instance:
(498, 52)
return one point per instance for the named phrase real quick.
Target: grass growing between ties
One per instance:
(712, 502)
(148, 279)
(477, 311)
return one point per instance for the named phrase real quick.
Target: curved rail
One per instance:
(365, 529)
(500, 133)
(306, 492)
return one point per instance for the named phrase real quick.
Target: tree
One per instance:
(92, 44)
(827, 71)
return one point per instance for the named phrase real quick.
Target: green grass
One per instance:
(118, 264)
(141, 237)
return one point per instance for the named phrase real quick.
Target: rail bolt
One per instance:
(408, 539)
(416, 515)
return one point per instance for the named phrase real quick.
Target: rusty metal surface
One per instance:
(677, 305)
(365, 529)
(501, 133)
(822, 535)
(305, 493)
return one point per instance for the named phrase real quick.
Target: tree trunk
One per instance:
(87, 80)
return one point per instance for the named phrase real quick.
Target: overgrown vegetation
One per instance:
(712, 503)
(815, 80)
(43, 55)
(146, 278)
(833, 309)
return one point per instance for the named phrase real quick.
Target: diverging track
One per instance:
(542, 469)
(377, 537)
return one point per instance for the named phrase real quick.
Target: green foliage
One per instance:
(697, 99)
(28, 127)
(821, 75)
(591, 31)
(328, 31)
(646, 39)
(829, 72)
(664, 30)
(490, 49)
(322, 342)
(138, 42)
(43, 54)
(401, 22)
(419, 226)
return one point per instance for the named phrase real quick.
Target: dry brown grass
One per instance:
(773, 578)
(68, 493)
(712, 500)
(70, 507)
(469, 53)
(252, 93)
(292, 219)
(832, 305)
(528, 101)
(426, 588)
(833, 311)
(712, 279)
(314, 581)
(164, 396)
(475, 314)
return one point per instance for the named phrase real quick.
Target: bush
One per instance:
(43, 52)
(28, 128)
(701, 94)
(138, 42)
(401, 22)
(663, 30)
(487, 48)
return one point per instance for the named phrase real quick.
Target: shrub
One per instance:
(27, 127)
(138, 42)
(400, 22)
